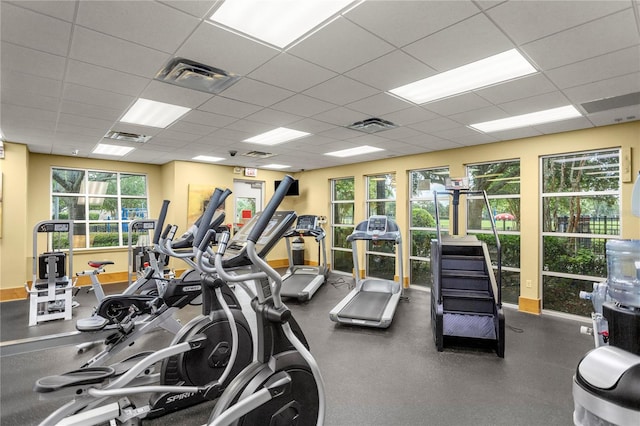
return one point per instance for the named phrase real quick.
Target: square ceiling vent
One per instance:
(258, 154)
(194, 75)
(127, 137)
(372, 125)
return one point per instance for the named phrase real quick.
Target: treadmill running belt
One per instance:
(366, 305)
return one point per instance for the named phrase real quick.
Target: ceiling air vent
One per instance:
(612, 103)
(258, 154)
(196, 76)
(127, 137)
(372, 125)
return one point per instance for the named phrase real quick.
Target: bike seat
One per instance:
(93, 323)
(99, 263)
(84, 376)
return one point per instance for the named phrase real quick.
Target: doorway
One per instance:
(248, 200)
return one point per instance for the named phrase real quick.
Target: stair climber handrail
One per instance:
(497, 286)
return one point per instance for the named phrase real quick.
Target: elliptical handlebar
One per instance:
(161, 219)
(270, 209)
(207, 216)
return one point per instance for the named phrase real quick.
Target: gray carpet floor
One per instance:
(372, 376)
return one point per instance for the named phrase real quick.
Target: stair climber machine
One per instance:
(302, 281)
(373, 301)
(606, 384)
(198, 364)
(283, 386)
(466, 297)
(51, 291)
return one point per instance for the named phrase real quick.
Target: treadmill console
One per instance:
(236, 254)
(377, 225)
(306, 223)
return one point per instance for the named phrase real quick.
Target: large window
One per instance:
(422, 224)
(100, 203)
(342, 206)
(381, 200)
(580, 212)
(501, 182)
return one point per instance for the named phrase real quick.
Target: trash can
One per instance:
(297, 248)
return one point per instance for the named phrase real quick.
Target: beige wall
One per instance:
(26, 173)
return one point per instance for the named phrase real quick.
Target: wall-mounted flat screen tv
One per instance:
(294, 189)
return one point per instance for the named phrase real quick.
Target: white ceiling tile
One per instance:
(303, 105)
(585, 41)
(519, 88)
(248, 127)
(341, 46)
(103, 78)
(341, 133)
(340, 116)
(291, 73)
(89, 95)
(257, 93)
(614, 64)
(564, 126)
(474, 139)
(341, 90)
(471, 40)
(208, 119)
(413, 114)
(197, 8)
(457, 134)
(229, 107)
(535, 103)
(30, 100)
(193, 128)
(391, 70)
(523, 132)
(526, 21)
(457, 104)
(88, 110)
(110, 52)
(222, 49)
(378, 105)
(399, 133)
(310, 125)
(617, 86)
(147, 23)
(13, 81)
(91, 123)
(30, 29)
(403, 22)
(176, 95)
(61, 9)
(274, 117)
(231, 135)
(31, 61)
(177, 135)
(479, 115)
(435, 125)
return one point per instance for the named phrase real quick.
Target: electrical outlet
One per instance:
(528, 284)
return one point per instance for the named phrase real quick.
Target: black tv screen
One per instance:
(294, 189)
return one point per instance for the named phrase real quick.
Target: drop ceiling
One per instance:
(71, 69)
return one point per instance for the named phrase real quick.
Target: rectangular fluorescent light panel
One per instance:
(276, 136)
(485, 72)
(276, 166)
(207, 158)
(531, 119)
(154, 114)
(278, 23)
(115, 150)
(365, 149)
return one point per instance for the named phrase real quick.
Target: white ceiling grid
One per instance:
(71, 69)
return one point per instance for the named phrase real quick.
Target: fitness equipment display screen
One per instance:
(54, 227)
(306, 222)
(377, 224)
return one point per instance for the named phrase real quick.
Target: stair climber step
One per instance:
(469, 301)
(461, 262)
(462, 280)
(466, 250)
(464, 325)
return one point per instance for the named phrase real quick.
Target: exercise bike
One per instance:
(283, 386)
(203, 357)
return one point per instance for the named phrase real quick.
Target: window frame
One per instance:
(334, 225)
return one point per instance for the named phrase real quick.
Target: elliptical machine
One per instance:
(283, 386)
(606, 385)
(203, 357)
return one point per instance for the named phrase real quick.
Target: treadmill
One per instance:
(302, 281)
(373, 301)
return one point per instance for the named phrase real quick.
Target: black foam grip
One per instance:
(166, 231)
(268, 211)
(207, 238)
(207, 216)
(161, 219)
